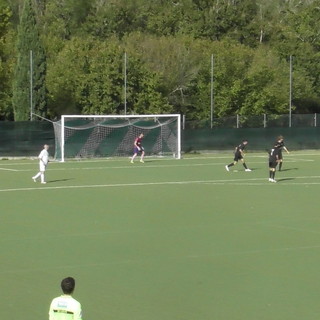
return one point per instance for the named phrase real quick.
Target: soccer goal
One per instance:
(92, 136)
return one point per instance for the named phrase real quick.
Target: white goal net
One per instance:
(90, 136)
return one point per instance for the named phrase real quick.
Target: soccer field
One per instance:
(164, 240)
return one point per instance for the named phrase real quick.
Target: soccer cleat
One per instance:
(34, 179)
(274, 181)
(141, 161)
(131, 161)
(43, 182)
(248, 170)
(270, 180)
(227, 168)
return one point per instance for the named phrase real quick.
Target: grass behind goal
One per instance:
(165, 240)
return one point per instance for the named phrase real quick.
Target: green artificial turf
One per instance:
(164, 240)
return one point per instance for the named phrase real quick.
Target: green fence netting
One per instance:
(25, 139)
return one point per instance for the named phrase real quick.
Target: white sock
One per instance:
(37, 175)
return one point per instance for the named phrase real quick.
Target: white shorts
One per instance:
(42, 166)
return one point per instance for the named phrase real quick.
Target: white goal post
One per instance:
(94, 136)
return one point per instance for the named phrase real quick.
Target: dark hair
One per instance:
(67, 285)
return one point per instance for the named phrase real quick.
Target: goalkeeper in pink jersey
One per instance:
(138, 148)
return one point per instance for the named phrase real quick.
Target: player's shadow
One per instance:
(282, 170)
(59, 180)
(285, 179)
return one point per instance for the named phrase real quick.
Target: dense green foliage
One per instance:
(5, 101)
(169, 44)
(30, 59)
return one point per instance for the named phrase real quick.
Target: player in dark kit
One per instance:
(273, 162)
(239, 155)
(280, 145)
(138, 148)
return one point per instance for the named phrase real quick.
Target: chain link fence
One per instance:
(257, 121)
(27, 138)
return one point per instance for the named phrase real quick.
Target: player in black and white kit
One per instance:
(280, 145)
(273, 162)
(239, 155)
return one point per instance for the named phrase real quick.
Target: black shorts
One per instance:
(272, 164)
(237, 156)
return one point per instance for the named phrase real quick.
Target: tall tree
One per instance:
(5, 15)
(87, 77)
(29, 42)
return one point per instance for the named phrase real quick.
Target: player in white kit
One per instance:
(43, 162)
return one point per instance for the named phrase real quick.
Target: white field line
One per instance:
(156, 259)
(271, 225)
(129, 166)
(6, 169)
(146, 166)
(251, 181)
(213, 156)
(299, 160)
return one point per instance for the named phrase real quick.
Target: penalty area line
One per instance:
(142, 184)
(137, 184)
(6, 169)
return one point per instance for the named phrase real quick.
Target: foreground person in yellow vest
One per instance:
(65, 307)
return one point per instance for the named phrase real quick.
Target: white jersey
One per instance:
(65, 308)
(44, 157)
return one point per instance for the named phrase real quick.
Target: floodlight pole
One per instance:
(211, 94)
(125, 83)
(290, 93)
(31, 85)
